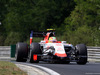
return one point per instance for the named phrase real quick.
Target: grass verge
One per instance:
(8, 68)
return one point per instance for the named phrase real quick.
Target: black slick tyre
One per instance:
(81, 54)
(21, 53)
(34, 50)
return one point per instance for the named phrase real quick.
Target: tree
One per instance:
(86, 13)
(83, 34)
(3, 11)
(38, 15)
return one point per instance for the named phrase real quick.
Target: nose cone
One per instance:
(61, 55)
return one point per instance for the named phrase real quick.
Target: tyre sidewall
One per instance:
(35, 49)
(81, 54)
(21, 53)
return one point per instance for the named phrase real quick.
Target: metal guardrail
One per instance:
(5, 52)
(93, 53)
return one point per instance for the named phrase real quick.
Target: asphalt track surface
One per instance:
(72, 68)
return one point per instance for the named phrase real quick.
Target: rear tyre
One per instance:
(34, 50)
(21, 53)
(81, 54)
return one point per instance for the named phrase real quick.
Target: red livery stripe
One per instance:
(30, 40)
(61, 55)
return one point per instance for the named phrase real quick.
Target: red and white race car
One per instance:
(50, 50)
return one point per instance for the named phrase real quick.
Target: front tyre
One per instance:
(81, 54)
(21, 52)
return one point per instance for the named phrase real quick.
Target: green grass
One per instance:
(8, 68)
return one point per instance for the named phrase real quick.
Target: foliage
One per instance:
(84, 18)
(83, 34)
(12, 38)
(1, 41)
(72, 19)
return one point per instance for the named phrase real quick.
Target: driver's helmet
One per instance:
(52, 40)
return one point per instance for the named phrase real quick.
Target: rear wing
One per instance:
(41, 34)
(36, 34)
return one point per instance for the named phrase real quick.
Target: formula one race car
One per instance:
(50, 50)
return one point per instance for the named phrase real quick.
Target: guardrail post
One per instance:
(13, 48)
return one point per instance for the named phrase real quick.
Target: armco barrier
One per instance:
(9, 52)
(93, 53)
(5, 52)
